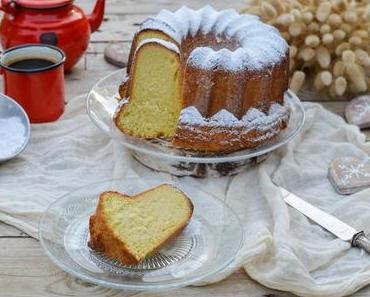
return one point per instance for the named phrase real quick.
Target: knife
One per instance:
(327, 221)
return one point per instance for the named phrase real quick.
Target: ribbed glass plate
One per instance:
(207, 245)
(102, 103)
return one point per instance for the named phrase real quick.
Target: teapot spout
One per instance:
(97, 16)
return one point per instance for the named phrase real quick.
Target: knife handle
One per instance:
(361, 241)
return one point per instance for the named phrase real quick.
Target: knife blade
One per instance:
(327, 221)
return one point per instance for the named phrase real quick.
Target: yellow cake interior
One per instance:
(146, 221)
(155, 100)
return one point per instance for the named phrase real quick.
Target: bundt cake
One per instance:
(130, 228)
(207, 80)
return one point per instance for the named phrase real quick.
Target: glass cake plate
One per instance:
(158, 154)
(205, 247)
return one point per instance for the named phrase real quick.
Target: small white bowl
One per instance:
(12, 111)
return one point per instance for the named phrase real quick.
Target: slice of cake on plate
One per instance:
(131, 228)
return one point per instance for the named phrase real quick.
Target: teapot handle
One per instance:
(1, 66)
(8, 6)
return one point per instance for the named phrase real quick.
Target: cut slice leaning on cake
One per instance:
(155, 101)
(131, 228)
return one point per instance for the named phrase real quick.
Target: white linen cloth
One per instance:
(282, 248)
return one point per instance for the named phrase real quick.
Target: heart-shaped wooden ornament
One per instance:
(350, 174)
(357, 112)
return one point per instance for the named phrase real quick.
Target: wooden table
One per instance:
(24, 269)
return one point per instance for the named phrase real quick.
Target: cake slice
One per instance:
(130, 228)
(155, 91)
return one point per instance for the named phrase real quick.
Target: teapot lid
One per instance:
(42, 4)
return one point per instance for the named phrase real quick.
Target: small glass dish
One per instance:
(15, 128)
(102, 103)
(206, 246)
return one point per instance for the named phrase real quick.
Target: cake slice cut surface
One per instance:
(129, 229)
(154, 104)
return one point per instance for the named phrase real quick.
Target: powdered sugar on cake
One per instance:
(169, 45)
(157, 24)
(253, 119)
(255, 127)
(260, 44)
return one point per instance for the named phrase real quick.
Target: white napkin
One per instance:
(282, 249)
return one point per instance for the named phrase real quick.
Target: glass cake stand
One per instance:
(159, 155)
(205, 247)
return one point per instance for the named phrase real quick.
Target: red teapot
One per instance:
(55, 22)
